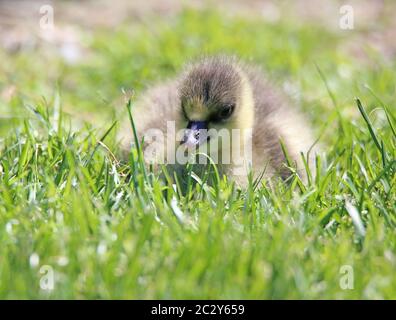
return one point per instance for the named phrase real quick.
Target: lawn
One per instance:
(71, 213)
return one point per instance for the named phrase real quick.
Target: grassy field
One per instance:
(110, 230)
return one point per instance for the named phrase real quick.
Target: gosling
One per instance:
(229, 110)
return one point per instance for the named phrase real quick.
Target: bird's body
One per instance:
(224, 96)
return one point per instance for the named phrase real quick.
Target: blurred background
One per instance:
(79, 55)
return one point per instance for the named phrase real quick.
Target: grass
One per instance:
(111, 230)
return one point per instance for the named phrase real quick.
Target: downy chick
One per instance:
(229, 110)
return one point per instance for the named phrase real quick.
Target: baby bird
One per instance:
(229, 110)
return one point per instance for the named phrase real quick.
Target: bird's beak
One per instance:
(195, 134)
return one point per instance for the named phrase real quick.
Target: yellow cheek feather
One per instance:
(244, 121)
(245, 117)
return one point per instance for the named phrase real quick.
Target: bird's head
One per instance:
(215, 94)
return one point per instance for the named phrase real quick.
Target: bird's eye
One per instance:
(226, 111)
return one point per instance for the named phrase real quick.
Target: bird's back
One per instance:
(276, 120)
